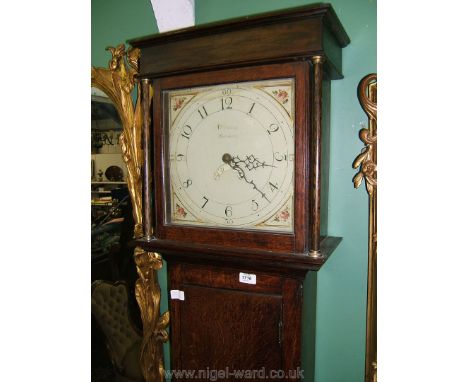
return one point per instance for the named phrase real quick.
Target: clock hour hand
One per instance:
(228, 159)
(250, 162)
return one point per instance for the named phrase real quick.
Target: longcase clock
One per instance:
(236, 134)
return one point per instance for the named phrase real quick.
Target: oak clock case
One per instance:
(235, 181)
(233, 144)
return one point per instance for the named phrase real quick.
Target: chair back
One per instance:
(109, 305)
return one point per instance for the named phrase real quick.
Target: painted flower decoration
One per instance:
(180, 212)
(283, 216)
(178, 103)
(281, 95)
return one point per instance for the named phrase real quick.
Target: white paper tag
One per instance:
(247, 278)
(177, 294)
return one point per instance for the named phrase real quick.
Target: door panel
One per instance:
(222, 328)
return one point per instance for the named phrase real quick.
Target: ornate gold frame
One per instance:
(367, 161)
(118, 82)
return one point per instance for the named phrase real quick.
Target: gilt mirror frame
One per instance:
(366, 162)
(118, 82)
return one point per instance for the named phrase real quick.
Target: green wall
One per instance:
(341, 284)
(115, 21)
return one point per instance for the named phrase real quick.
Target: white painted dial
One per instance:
(231, 153)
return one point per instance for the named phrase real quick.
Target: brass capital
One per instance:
(318, 59)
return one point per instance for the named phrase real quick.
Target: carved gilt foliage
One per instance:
(366, 160)
(118, 83)
(148, 295)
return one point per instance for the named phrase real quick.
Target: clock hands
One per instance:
(251, 163)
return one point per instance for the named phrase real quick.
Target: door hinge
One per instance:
(280, 332)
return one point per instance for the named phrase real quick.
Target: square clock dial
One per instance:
(231, 154)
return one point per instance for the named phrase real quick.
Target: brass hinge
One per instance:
(280, 332)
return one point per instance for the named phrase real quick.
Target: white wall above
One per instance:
(173, 14)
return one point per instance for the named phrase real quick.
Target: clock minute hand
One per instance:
(227, 158)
